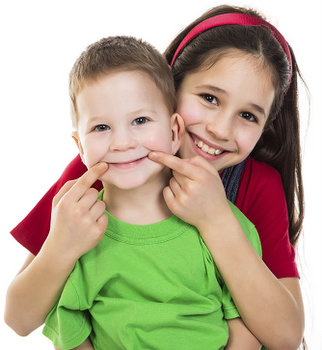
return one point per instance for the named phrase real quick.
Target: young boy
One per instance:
(150, 283)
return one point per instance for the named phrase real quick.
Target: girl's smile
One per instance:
(225, 108)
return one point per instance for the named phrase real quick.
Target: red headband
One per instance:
(233, 18)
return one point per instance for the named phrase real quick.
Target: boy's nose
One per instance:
(122, 140)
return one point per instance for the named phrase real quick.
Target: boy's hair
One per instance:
(120, 53)
(279, 145)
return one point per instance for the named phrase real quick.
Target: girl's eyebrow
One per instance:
(216, 89)
(212, 88)
(259, 109)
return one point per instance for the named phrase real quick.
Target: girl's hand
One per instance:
(78, 221)
(195, 192)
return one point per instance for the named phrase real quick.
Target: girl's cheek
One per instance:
(189, 111)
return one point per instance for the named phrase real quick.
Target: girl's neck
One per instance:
(142, 205)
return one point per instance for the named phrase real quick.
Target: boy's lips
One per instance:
(128, 163)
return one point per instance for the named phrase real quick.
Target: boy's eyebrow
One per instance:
(95, 118)
(213, 88)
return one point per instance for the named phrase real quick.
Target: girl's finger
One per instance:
(89, 199)
(183, 167)
(97, 210)
(181, 179)
(66, 187)
(168, 197)
(203, 163)
(87, 180)
(174, 186)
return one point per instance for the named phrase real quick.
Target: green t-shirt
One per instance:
(146, 287)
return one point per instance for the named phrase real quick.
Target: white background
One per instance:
(40, 40)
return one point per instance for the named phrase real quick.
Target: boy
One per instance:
(150, 283)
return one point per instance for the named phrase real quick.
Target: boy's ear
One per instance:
(177, 127)
(76, 138)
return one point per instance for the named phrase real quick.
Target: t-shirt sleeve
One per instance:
(32, 231)
(261, 198)
(68, 324)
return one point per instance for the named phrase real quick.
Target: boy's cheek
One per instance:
(160, 142)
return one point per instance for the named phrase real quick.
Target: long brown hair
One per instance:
(279, 145)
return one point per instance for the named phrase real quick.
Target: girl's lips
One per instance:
(205, 149)
(128, 165)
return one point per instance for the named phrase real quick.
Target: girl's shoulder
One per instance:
(261, 192)
(261, 198)
(260, 172)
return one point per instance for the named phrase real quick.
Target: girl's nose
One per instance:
(221, 127)
(122, 140)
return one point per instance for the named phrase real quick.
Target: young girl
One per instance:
(208, 60)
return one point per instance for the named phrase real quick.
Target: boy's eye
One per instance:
(101, 127)
(140, 121)
(248, 116)
(210, 98)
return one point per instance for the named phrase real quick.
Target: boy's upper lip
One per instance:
(127, 161)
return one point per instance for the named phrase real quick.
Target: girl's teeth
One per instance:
(207, 149)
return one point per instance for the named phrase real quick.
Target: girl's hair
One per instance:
(279, 145)
(120, 53)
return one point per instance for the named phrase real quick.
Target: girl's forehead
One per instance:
(232, 63)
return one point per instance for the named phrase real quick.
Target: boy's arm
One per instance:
(240, 336)
(78, 223)
(87, 345)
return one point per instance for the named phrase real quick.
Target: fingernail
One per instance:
(152, 155)
(102, 165)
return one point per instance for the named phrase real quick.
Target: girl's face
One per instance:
(225, 109)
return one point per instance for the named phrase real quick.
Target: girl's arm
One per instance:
(77, 225)
(240, 337)
(87, 345)
(272, 309)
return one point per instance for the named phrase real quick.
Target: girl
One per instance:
(236, 80)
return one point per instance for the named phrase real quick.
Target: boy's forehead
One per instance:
(120, 91)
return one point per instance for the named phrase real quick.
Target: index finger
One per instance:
(87, 180)
(175, 163)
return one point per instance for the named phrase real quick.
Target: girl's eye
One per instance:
(140, 121)
(248, 116)
(101, 127)
(210, 98)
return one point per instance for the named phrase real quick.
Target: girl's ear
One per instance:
(76, 138)
(177, 128)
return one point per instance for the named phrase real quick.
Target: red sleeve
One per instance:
(261, 198)
(32, 231)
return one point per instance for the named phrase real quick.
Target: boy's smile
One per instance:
(122, 116)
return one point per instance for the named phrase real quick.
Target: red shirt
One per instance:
(260, 197)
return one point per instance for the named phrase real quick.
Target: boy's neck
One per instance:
(143, 205)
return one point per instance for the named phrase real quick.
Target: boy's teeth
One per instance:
(208, 149)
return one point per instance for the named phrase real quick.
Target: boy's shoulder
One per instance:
(248, 228)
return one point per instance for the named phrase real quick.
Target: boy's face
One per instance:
(121, 118)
